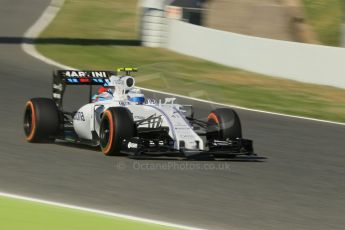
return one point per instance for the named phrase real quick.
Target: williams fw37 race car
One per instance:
(120, 120)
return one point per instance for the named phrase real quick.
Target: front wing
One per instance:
(141, 147)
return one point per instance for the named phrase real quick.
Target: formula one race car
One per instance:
(121, 121)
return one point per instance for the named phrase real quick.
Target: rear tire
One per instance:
(117, 124)
(41, 120)
(223, 124)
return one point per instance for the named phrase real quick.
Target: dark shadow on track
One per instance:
(166, 158)
(245, 159)
(233, 159)
(78, 146)
(69, 41)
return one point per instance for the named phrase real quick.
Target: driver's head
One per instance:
(102, 90)
(136, 96)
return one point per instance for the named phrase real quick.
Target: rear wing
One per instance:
(85, 77)
(62, 78)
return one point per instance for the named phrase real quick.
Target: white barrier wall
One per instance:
(152, 27)
(152, 23)
(296, 61)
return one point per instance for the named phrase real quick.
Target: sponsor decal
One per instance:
(79, 116)
(57, 95)
(123, 103)
(132, 145)
(182, 128)
(83, 74)
(139, 117)
(175, 116)
(58, 87)
(84, 80)
(186, 136)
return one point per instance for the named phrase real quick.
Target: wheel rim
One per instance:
(105, 133)
(29, 121)
(213, 132)
(213, 127)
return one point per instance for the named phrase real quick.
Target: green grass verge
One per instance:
(163, 70)
(325, 16)
(19, 214)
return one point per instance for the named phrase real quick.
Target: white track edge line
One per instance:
(34, 31)
(244, 108)
(96, 211)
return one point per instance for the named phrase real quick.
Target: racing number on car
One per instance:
(79, 116)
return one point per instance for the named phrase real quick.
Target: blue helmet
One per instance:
(135, 96)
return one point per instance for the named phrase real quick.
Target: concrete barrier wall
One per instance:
(296, 61)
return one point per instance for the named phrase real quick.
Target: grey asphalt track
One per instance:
(300, 184)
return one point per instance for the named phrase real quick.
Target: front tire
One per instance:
(41, 120)
(223, 124)
(117, 124)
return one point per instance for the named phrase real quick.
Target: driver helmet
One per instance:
(102, 90)
(104, 93)
(136, 96)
